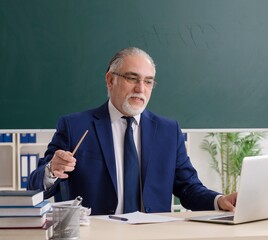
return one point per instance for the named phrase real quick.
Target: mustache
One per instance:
(137, 95)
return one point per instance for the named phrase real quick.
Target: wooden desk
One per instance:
(105, 230)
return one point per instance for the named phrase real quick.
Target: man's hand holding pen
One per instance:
(62, 162)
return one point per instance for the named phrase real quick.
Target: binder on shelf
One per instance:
(23, 137)
(32, 137)
(27, 137)
(7, 137)
(33, 159)
(27, 165)
(1, 137)
(23, 170)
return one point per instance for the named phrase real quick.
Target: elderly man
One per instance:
(131, 159)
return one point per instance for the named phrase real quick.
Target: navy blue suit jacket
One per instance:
(165, 165)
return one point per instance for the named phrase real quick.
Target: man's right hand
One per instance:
(62, 162)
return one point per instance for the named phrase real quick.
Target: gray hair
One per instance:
(118, 58)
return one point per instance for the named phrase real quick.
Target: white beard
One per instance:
(132, 111)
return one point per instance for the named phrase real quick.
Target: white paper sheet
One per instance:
(139, 218)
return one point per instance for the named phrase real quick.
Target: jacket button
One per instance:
(112, 211)
(147, 209)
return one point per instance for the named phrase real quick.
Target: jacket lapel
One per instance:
(148, 131)
(104, 133)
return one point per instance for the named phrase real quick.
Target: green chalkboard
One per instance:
(211, 58)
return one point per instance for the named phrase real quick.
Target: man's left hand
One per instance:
(227, 202)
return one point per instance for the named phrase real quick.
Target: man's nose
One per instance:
(140, 86)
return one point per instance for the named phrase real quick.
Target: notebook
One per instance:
(252, 196)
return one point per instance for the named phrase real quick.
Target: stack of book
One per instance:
(23, 209)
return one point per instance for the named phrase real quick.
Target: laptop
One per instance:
(252, 199)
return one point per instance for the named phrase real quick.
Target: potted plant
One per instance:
(227, 151)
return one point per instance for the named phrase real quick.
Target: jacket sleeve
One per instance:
(36, 179)
(187, 186)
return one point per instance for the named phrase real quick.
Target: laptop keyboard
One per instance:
(228, 218)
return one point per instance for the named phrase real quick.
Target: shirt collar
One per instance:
(116, 115)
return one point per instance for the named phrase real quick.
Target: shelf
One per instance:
(32, 144)
(6, 144)
(8, 165)
(31, 153)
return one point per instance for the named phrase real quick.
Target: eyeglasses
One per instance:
(150, 83)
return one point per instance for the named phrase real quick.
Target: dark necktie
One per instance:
(131, 171)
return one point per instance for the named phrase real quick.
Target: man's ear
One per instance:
(109, 79)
